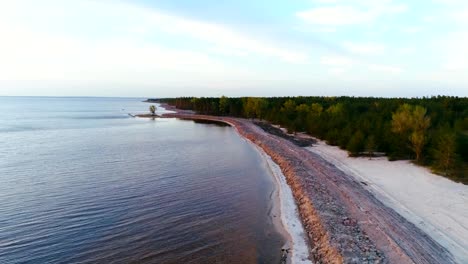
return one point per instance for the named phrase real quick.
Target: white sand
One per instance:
(289, 214)
(435, 204)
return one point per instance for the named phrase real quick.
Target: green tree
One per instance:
(444, 153)
(316, 109)
(301, 119)
(255, 107)
(370, 146)
(261, 107)
(152, 109)
(289, 115)
(356, 143)
(412, 122)
(335, 109)
(289, 109)
(223, 105)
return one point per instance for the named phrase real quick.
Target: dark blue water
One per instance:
(82, 182)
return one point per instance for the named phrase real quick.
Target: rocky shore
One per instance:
(344, 222)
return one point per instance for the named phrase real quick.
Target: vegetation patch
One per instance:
(432, 131)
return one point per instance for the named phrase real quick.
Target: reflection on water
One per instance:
(81, 182)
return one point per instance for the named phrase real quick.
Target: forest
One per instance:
(431, 131)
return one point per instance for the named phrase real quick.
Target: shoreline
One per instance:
(284, 213)
(288, 224)
(442, 218)
(291, 223)
(344, 222)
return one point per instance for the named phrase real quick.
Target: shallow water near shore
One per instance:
(82, 182)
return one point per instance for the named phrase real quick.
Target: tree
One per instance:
(316, 109)
(261, 107)
(356, 143)
(289, 115)
(412, 122)
(399, 127)
(152, 109)
(301, 119)
(444, 153)
(370, 146)
(335, 109)
(223, 105)
(255, 107)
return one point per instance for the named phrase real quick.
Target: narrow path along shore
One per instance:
(345, 222)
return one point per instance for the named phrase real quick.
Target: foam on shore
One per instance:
(299, 249)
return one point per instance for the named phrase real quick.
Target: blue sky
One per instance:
(236, 48)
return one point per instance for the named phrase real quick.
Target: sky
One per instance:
(166, 48)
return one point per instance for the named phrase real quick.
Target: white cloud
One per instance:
(406, 50)
(339, 64)
(228, 52)
(326, 1)
(351, 13)
(337, 71)
(461, 16)
(109, 40)
(30, 56)
(385, 68)
(412, 29)
(364, 48)
(336, 61)
(220, 35)
(335, 16)
(314, 30)
(455, 53)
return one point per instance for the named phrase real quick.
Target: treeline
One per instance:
(432, 131)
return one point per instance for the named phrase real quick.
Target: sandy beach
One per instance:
(344, 222)
(435, 204)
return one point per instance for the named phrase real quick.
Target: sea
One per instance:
(82, 181)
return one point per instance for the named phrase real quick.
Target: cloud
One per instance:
(335, 16)
(461, 16)
(307, 29)
(406, 50)
(31, 56)
(337, 71)
(336, 61)
(364, 48)
(385, 68)
(110, 40)
(220, 36)
(411, 29)
(353, 13)
(454, 52)
(339, 64)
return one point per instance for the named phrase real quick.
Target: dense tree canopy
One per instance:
(433, 131)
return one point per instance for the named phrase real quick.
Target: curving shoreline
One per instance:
(344, 222)
(290, 219)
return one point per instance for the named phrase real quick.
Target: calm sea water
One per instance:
(82, 182)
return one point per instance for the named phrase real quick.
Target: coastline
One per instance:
(284, 215)
(410, 190)
(290, 219)
(344, 222)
